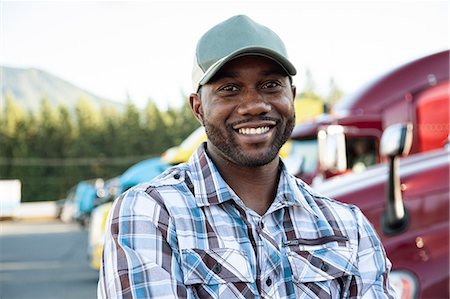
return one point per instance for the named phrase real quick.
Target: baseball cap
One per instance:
(237, 36)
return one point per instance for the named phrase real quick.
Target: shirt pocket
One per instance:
(215, 266)
(321, 264)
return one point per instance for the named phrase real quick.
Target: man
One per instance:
(232, 223)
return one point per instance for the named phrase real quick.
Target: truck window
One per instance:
(361, 153)
(303, 154)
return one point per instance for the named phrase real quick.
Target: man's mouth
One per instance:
(254, 131)
(255, 128)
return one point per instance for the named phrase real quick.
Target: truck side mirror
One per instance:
(395, 141)
(332, 150)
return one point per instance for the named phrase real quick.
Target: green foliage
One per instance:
(309, 90)
(52, 149)
(335, 93)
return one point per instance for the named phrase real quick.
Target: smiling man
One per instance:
(232, 223)
(248, 113)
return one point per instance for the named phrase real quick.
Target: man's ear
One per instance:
(294, 91)
(196, 106)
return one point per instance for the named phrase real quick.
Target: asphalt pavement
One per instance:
(45, 259)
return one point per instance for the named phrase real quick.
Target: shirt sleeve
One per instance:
(138, 261)
(372, 262)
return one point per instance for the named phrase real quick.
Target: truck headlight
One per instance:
(405, 284)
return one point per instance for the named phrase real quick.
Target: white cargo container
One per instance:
(10, 195)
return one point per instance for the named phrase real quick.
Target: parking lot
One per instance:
(44, 259)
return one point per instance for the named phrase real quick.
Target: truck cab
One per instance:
(406, 198)
(416, 93)
(359, 133)
(404, 189)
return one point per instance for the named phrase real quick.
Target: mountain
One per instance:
(29, 86)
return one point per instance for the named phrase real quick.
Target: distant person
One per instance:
(363, 154)
(232, 223)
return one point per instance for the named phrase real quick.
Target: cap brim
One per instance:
(281, 60)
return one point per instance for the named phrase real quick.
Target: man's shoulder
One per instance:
(166, 186)
(158, 194)
(172, 176)
(323, 202)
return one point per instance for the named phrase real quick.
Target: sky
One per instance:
(141, 50)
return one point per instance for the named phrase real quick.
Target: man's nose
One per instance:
(253, 103)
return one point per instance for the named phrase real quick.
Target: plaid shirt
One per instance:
(186, 234)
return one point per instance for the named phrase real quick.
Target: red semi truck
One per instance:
(393, 98)
(402, 121)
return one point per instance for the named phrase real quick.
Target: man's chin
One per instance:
(255, 160)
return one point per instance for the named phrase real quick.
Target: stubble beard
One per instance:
(225, 142)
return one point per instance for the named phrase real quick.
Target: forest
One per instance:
(53, 148)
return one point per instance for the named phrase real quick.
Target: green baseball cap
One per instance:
(237, 36)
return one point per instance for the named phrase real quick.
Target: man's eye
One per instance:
(229, 88)
(270, 85)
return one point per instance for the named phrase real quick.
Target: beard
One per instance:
(225, 142)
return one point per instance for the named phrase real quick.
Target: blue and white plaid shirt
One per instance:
(186, 234)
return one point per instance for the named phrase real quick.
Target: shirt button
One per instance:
(262, 225)
(324, 267)
(217, 268)
(268, 282)
(176, 176)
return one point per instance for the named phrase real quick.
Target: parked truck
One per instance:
(403, 188)
(393, 98)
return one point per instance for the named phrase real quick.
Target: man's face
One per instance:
(247, 110)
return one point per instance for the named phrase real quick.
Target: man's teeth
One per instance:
(260, 130)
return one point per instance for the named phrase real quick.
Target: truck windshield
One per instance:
(303, 157)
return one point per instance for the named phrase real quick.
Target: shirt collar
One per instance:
(209, 186)
(292, 191)
(211, 189)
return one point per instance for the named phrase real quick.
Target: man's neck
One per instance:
(255, 186)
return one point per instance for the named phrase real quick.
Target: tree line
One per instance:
(53, 148)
